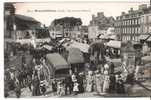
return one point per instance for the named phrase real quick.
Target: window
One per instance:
(42, 33)
(138, 21)
(149, 18)
(132, 30)
(149, 29)
(126, 29)
(138, 30)
(132, 21)
(129, 38)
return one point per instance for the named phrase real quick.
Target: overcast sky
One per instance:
(48, 11)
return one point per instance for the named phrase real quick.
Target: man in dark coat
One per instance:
(112, 83)
(54, 86)
(68, 84)
(80, 81)
(17, 89)
(36, 86)
(120, 85)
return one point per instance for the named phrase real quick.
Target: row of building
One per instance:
(134, 25)
(98, 25)
(17, 27)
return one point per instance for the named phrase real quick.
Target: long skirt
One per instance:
(105, 86)
(36, 91)
(89, 87)
(99, 86)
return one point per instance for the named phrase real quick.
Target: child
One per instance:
(54, 86)
(43, 89)
(60, 88)
(75, 88)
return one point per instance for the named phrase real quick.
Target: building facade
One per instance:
(145, 20)
(145, 37)
(128, 24)
(102, 21)
(92, 31)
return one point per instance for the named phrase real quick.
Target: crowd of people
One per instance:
(100, 81)
(28, 76)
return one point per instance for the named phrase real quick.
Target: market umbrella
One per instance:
(146, 59)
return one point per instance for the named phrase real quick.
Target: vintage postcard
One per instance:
(77, 49)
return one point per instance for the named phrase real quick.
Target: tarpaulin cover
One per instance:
(143, 37)
(75, 56)
(57, 61)
(114, 44)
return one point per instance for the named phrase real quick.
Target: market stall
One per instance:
(114, 48)
(76, 59)
(57, 65)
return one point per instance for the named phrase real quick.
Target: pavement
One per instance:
(135, 90)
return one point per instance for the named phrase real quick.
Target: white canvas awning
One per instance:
(149, 39)
(48, 47)
(114, 44)
(143, 37)
(83, 47)
(104, 37)
(113, 37)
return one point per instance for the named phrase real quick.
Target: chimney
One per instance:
(123, 13)
(131, 10)
(100, 14)
(93, 17)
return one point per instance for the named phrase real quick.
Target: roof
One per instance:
(149, 39)
(26, 18)
(104, 37)
(128, 47)
(57, 61)
(114, 44)
(143, 37)
(83, 47)
(48, 47)
(63, 40)
(114, 37)
(75, 56)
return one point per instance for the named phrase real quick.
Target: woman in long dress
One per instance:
(90, 80)
(106, 82)
(99, 82)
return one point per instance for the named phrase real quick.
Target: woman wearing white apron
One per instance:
(89, 81)
(75, 88)
(106, 82)
(99, 82)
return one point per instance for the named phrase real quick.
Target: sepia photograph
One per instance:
(77, 49)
